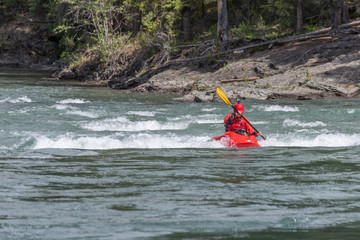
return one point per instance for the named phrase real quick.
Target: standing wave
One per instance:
(141, 141)
(322, 140)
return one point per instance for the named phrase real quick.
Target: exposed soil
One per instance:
(318, 68)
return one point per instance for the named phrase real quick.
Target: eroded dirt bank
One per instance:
(319, 68)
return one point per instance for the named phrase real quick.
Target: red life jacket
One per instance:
(236, 124)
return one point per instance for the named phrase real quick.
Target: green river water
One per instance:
(83, 162)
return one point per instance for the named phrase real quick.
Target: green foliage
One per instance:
(36, 6)
(258, 29)
(311, 28)
(242, 31)
(33, 6)
(101, 21)
(282, 8)
(18, 4)
(160, 15)
(66, 47)
(282, 12)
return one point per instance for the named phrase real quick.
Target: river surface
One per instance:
(81, 162)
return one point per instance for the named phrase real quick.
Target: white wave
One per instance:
(3, 147)
(184, 117)
(293, 123)
(171, 141)
(192, 118)
(322, 140)
(75, 111)
(207, 121)
(62, 107)
(351, 111)
(201, 119)
(23, 99)
(142, 113)
(83, 114)
(75, 101)
(147, 141)
(77, 143)
(278, 108)
(259, 122)
(208, 109)
(4, 100)
(123, 124)
(312, 131)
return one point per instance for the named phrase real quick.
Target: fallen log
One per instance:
(239, 79)
(325, 30)
(302, 37)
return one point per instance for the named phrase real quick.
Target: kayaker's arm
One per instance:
(253, 130)
(229, 119)
(257, 134)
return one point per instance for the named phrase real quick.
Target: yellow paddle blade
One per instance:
(223, 96)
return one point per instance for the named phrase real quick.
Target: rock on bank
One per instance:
(318, 68)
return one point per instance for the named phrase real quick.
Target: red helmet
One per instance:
(239, 107)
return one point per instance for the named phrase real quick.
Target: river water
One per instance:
(80, 162)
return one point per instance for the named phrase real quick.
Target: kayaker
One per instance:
(236, 122)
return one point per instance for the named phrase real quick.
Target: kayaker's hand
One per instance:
(258, 134)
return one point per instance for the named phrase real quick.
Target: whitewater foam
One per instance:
(83, 114)
(124, 124)
(322, 140)
(201, 119)
(293, 123)
(141, 141)
(278, 108)
(142, 113)
(62, 107)
(208, 121)
(208, 109)
(23, 99)
(74, 101)
(67, 141)
(259, 122)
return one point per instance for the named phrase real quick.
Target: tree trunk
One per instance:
(186, 15)
(136, 23)
(326, 12)
(320, 12)
(223, 37)
(337, 16)
(299, 26)
(203, 8)
(345, 13)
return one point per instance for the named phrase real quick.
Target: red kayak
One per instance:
(232, 139)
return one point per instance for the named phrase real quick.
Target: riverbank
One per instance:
(318, 68)
(325, 67)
